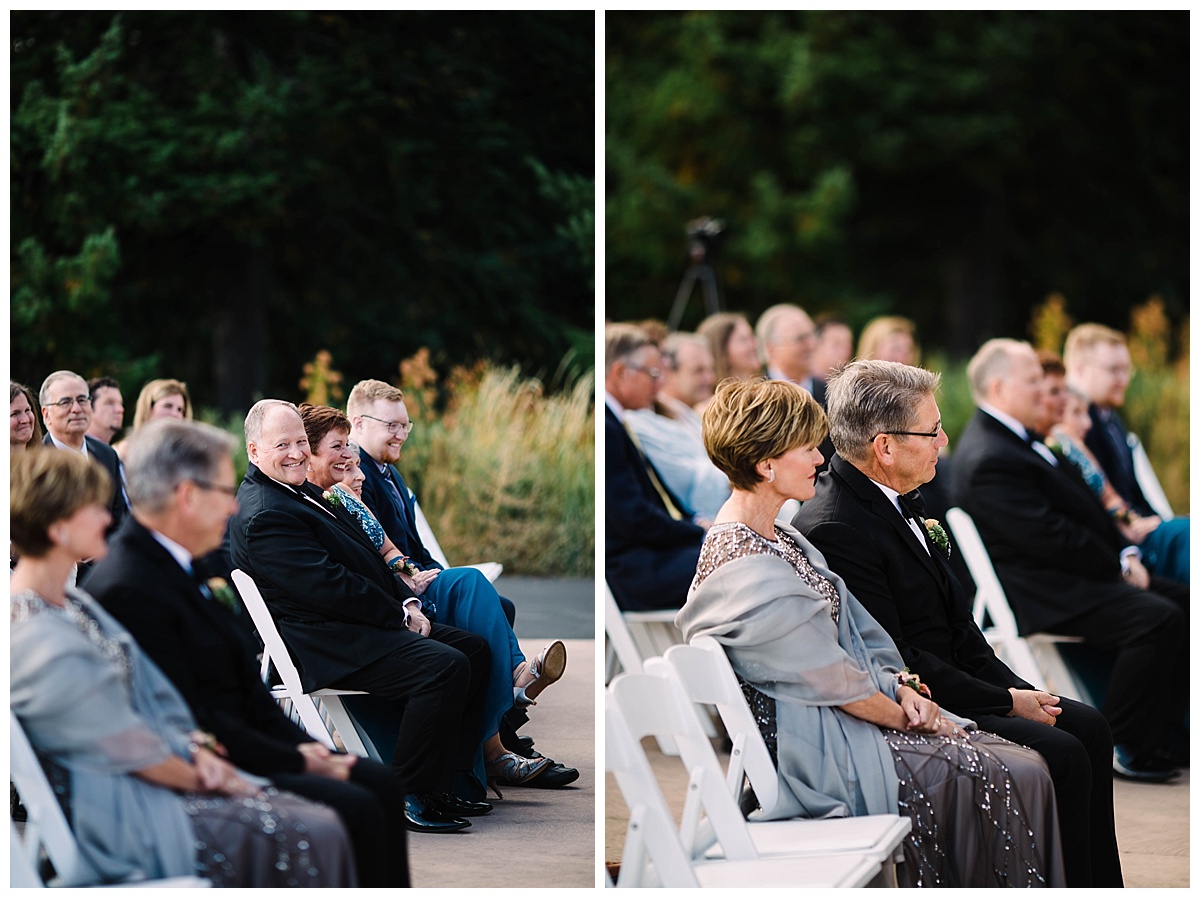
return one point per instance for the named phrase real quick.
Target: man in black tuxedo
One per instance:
(182, 493)
(651, 540)
(1064, 565)
(343, 614)
(67, 414)
(885, 423)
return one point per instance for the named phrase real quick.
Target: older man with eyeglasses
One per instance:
(67, 414)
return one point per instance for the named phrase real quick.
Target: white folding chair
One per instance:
(1033, 658)
(704, 674)
(46, 834)
(306, 705)
(655, 852)
(1147, 480)
(489, 569)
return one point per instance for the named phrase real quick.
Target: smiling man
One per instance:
(343, 615)
(866, 519)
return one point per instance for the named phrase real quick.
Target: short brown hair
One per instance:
(319, 420)
(367, 391)
(50, 485)
(749, 421)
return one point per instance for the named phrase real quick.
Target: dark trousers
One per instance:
(1148, 691)
(1078, 751)
(441, 680)
(371, 806)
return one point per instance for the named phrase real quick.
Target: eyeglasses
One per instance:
(933, 435)
(654, 373)
(65, 404)
(219, 487)
(392, 426)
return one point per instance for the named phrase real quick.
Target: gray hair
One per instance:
(165, 452)
(991, 363)
(871, 396)
(44, 392)
(258, 411)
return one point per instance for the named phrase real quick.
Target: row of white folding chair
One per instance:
(705, 676)
(1034, 658)
(307, 706)
(46, 835)
(655, 852)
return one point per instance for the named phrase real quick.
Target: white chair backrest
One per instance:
(46, 826)
(706, 675)
(1147, 480)
(989, 594)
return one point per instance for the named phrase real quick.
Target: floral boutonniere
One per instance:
(222, 593)
(332, 497)
(937, 533)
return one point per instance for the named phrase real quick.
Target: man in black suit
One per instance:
(182, 495)
(1064, 565)
(67, 414)
(885, 423)
(651, 540)
(343, 614)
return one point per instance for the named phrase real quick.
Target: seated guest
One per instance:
(145, 795)
(67, 411)
(1064, 565)
(734, 349)
(651, 539)
(461, 597)
(182, 495)
(108, 411)
(669, 431)
(350, 623)
(866, 521)
(24, 430)
(835, 345)
(891, 338)
(850, 733)
(1098, 365)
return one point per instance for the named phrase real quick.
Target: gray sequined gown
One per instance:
(97, 709)
(982, 808)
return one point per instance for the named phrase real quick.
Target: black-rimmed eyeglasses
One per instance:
(392, 426)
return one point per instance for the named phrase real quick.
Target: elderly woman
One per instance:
(851, 733)
(24, 430)
(149, 796)
(465, 599)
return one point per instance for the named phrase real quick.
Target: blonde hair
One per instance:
(366, 392)
(156, 390)
(47, 486)
(749, 421)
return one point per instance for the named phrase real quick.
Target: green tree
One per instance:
(217, 196)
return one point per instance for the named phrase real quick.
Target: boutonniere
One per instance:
(332, 497)
(222, 592)
(937, 533)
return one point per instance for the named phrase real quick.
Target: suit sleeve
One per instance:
(857, 560)
(289, 557)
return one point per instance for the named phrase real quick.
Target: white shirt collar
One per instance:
(58, 444)
(178, 552)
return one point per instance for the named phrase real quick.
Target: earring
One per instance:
(771, 471)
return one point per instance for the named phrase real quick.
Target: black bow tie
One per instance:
(913, 506)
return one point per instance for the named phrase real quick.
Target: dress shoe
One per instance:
(553, 777)
(422, 815)
(451, 804)
(1140, 768)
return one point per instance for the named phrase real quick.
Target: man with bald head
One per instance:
(350, 623)
(67, 413)
(1064, 565)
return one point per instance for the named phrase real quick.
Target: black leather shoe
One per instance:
(422, 815)
(449, 803)
(1140, 768)
(553, 777)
